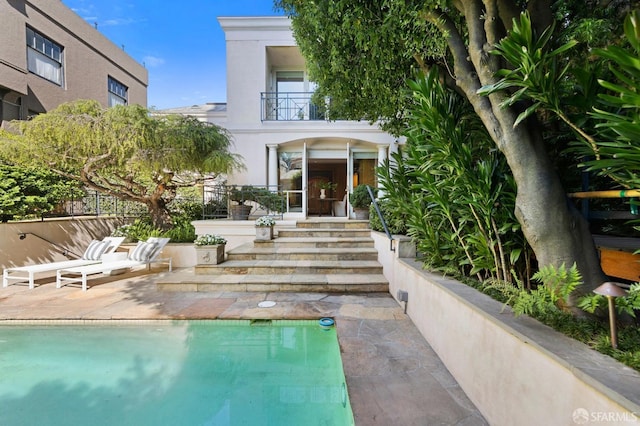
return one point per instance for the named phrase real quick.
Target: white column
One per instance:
(382, 156)
(272, 179)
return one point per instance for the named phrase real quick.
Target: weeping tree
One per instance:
(123, 151)
(360, 54)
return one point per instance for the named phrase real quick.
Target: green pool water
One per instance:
(172, 373)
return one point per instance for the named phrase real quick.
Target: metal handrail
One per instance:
(384, 223)
(63, 250)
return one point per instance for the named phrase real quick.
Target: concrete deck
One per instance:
(393, 375)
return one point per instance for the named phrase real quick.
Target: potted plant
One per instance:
(264, 228)
(360, 201)
(324, 186)
(210, 249)
(240, 210)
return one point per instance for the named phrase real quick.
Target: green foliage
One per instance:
(360, 55)
(190, 208)
(209, 240)
(124, 151)
(139, 230)
(559, 283)
(181, 231)
(538, 73)
(183, 212)
(393, 218)
(271, 201)
(265, 221)
(328, 185)
(628, 304)
(360, 198)
(547, 303)
(452, 189)
(552, 295)
(617, 151)
(547, 78)
(595, 334)
(27, 191)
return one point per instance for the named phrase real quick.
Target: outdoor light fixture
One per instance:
(403, 296)
(611, 291)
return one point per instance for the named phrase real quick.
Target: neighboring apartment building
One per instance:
(49, 55)
(284, 139)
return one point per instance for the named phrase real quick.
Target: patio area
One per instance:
(393, 375)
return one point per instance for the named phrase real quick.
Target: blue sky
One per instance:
(180, 42)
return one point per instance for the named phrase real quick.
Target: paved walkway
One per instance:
(393, 375)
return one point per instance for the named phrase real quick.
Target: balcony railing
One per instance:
(289, 106)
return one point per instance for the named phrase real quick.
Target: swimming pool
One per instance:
(172, 373)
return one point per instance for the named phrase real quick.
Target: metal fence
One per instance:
(96, 204)
(217, 202)
(241, 202)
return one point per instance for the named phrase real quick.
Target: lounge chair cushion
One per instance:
(95, 250)
(143, 251)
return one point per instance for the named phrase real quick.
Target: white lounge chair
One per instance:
(92, 255)
(145, 253)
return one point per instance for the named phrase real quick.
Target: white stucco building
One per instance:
(284, 139)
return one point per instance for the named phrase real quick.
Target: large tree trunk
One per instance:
(158, 211)
(553, 227)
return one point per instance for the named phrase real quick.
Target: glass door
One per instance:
(289, 93)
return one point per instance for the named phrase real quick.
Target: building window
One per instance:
(117, 92)
(44, 57)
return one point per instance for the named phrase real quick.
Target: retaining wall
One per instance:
(46, 241)
(516, 370)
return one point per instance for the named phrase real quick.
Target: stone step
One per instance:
(291, 267)
(324, 233)
(343, 283)
(318, 242)
(292, 252)
(333, 223)
(319, 255)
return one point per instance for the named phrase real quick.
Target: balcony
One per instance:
(289, 106)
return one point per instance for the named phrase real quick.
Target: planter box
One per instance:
(264, 233)
(210, 255)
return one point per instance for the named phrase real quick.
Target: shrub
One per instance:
(360, 198)
(139, 230)
(265, 221)
(395, 222)
(209, 240)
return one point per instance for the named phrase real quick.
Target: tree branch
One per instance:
(464, 69)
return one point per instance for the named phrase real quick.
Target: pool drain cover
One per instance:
(267, 304)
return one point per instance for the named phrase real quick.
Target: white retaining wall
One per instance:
(516, 370)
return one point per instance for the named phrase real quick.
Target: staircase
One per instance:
(315, 256)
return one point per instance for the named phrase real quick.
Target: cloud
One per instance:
(119, 21)
(152, 61)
